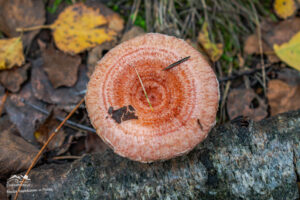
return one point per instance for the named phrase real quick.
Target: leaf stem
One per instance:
(34, 28)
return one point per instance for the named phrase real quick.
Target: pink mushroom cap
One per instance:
(184, 98)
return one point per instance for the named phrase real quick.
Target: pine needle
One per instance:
(143, 89)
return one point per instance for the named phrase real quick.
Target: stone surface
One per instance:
(258, 161)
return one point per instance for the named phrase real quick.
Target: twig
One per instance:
(66, 157)
(227, 87)
(36, 158)
(3, 101)
(69, 122)
(143, 88)
(260, 47)
(176, 63)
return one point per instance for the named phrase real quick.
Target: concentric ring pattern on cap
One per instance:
(184, 98)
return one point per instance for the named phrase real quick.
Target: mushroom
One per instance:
(184, 98)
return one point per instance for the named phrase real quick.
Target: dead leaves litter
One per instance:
(11, 53)
(245, 102)
(283, 97)
(21, 13)
(61, 68)
(16, 153)
(12, 79)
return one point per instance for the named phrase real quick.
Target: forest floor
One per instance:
(253, 47)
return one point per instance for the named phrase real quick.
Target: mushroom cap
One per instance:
(184, 98)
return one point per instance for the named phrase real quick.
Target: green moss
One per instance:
(139, 21)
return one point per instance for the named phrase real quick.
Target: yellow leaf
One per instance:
(290, 52)
(285, 8)
(214, 51)
(11, 53)
(76, 29)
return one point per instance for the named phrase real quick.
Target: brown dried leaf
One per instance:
(43, 132)
(16, 154)
(279, 33)
(240, 102)
(43, 89)
(251, 46)
(283, 97)
(96, 54)
(62, 69)
(132, 33)
(23, 116)
(12, 79)
(21, 13)
(290, 76)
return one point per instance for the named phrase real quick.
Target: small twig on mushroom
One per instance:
(143, 88)
(3, 102)
(177, 63)
(36, 158)
(68, 122)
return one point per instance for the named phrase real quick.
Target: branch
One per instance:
(237, 161)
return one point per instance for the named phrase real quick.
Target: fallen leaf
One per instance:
(115, 21)
(285, 8)
(283, 97)
(132, 33)
(43, 89)
(247, 103)
(23, 116)
(74, 31)
(289, 75)
(251, 46)
(12, 79)
(96, 54)
(290, 52)
(16, 154)
(11, 53)
(61, 68)
(279, 33)
(43, 132)
(21, 13)
(214, 51)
